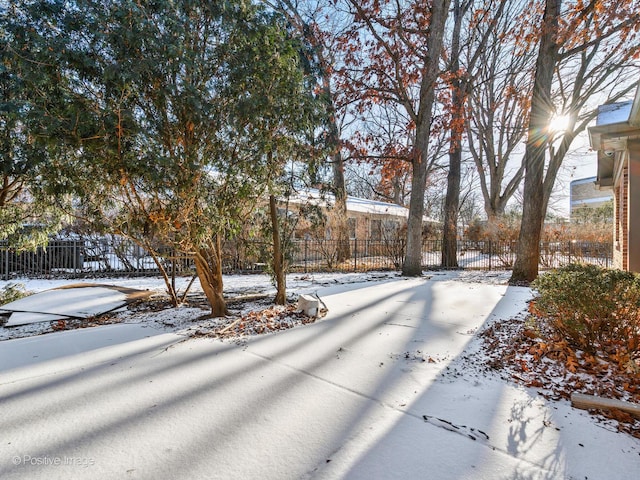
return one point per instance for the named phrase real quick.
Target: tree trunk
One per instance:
(451, 208)
(494, 209)
(209, 269)
(452, 199)
(342, 225)
(171, 287)
(413, 259)
(339, 188)
(412, 266)
(525, 268)
(278, 257)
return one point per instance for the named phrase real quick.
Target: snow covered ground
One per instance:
(186, 319)
(381, 387)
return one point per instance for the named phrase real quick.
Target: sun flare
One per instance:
(559, 123)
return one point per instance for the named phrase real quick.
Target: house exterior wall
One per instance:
(632, 243)
(367, 226)
(620, 234)
(362, 225)
(616, 137)
(626, 235)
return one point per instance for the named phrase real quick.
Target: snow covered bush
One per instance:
(12, 292)
(595, 309)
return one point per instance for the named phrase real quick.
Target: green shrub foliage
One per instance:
(12, 292)
(595, 309)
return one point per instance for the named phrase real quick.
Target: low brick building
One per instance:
(367, 219)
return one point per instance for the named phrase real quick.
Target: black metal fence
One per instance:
(389, 255)
(115, 256)
(88, 257)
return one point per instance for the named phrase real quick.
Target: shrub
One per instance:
(595, 309)
(12, 292)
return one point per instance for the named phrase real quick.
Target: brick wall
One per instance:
(621, 226)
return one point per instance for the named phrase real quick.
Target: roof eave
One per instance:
(634, 116)
(604, 178)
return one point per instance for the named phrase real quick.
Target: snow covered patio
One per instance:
(378, 388)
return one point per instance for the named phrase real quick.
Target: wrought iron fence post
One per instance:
(6, 262)
(306, 251)
(355, 254)
(173, 271)
(569, 242)
(490, 253)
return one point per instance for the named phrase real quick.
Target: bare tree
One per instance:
(497, 114)
(384, 142)
(393, 61)
(585, 51)
(478, 19)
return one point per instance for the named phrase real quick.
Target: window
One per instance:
(376, 230)
(352, 223)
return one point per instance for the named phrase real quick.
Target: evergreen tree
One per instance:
(170, 115)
